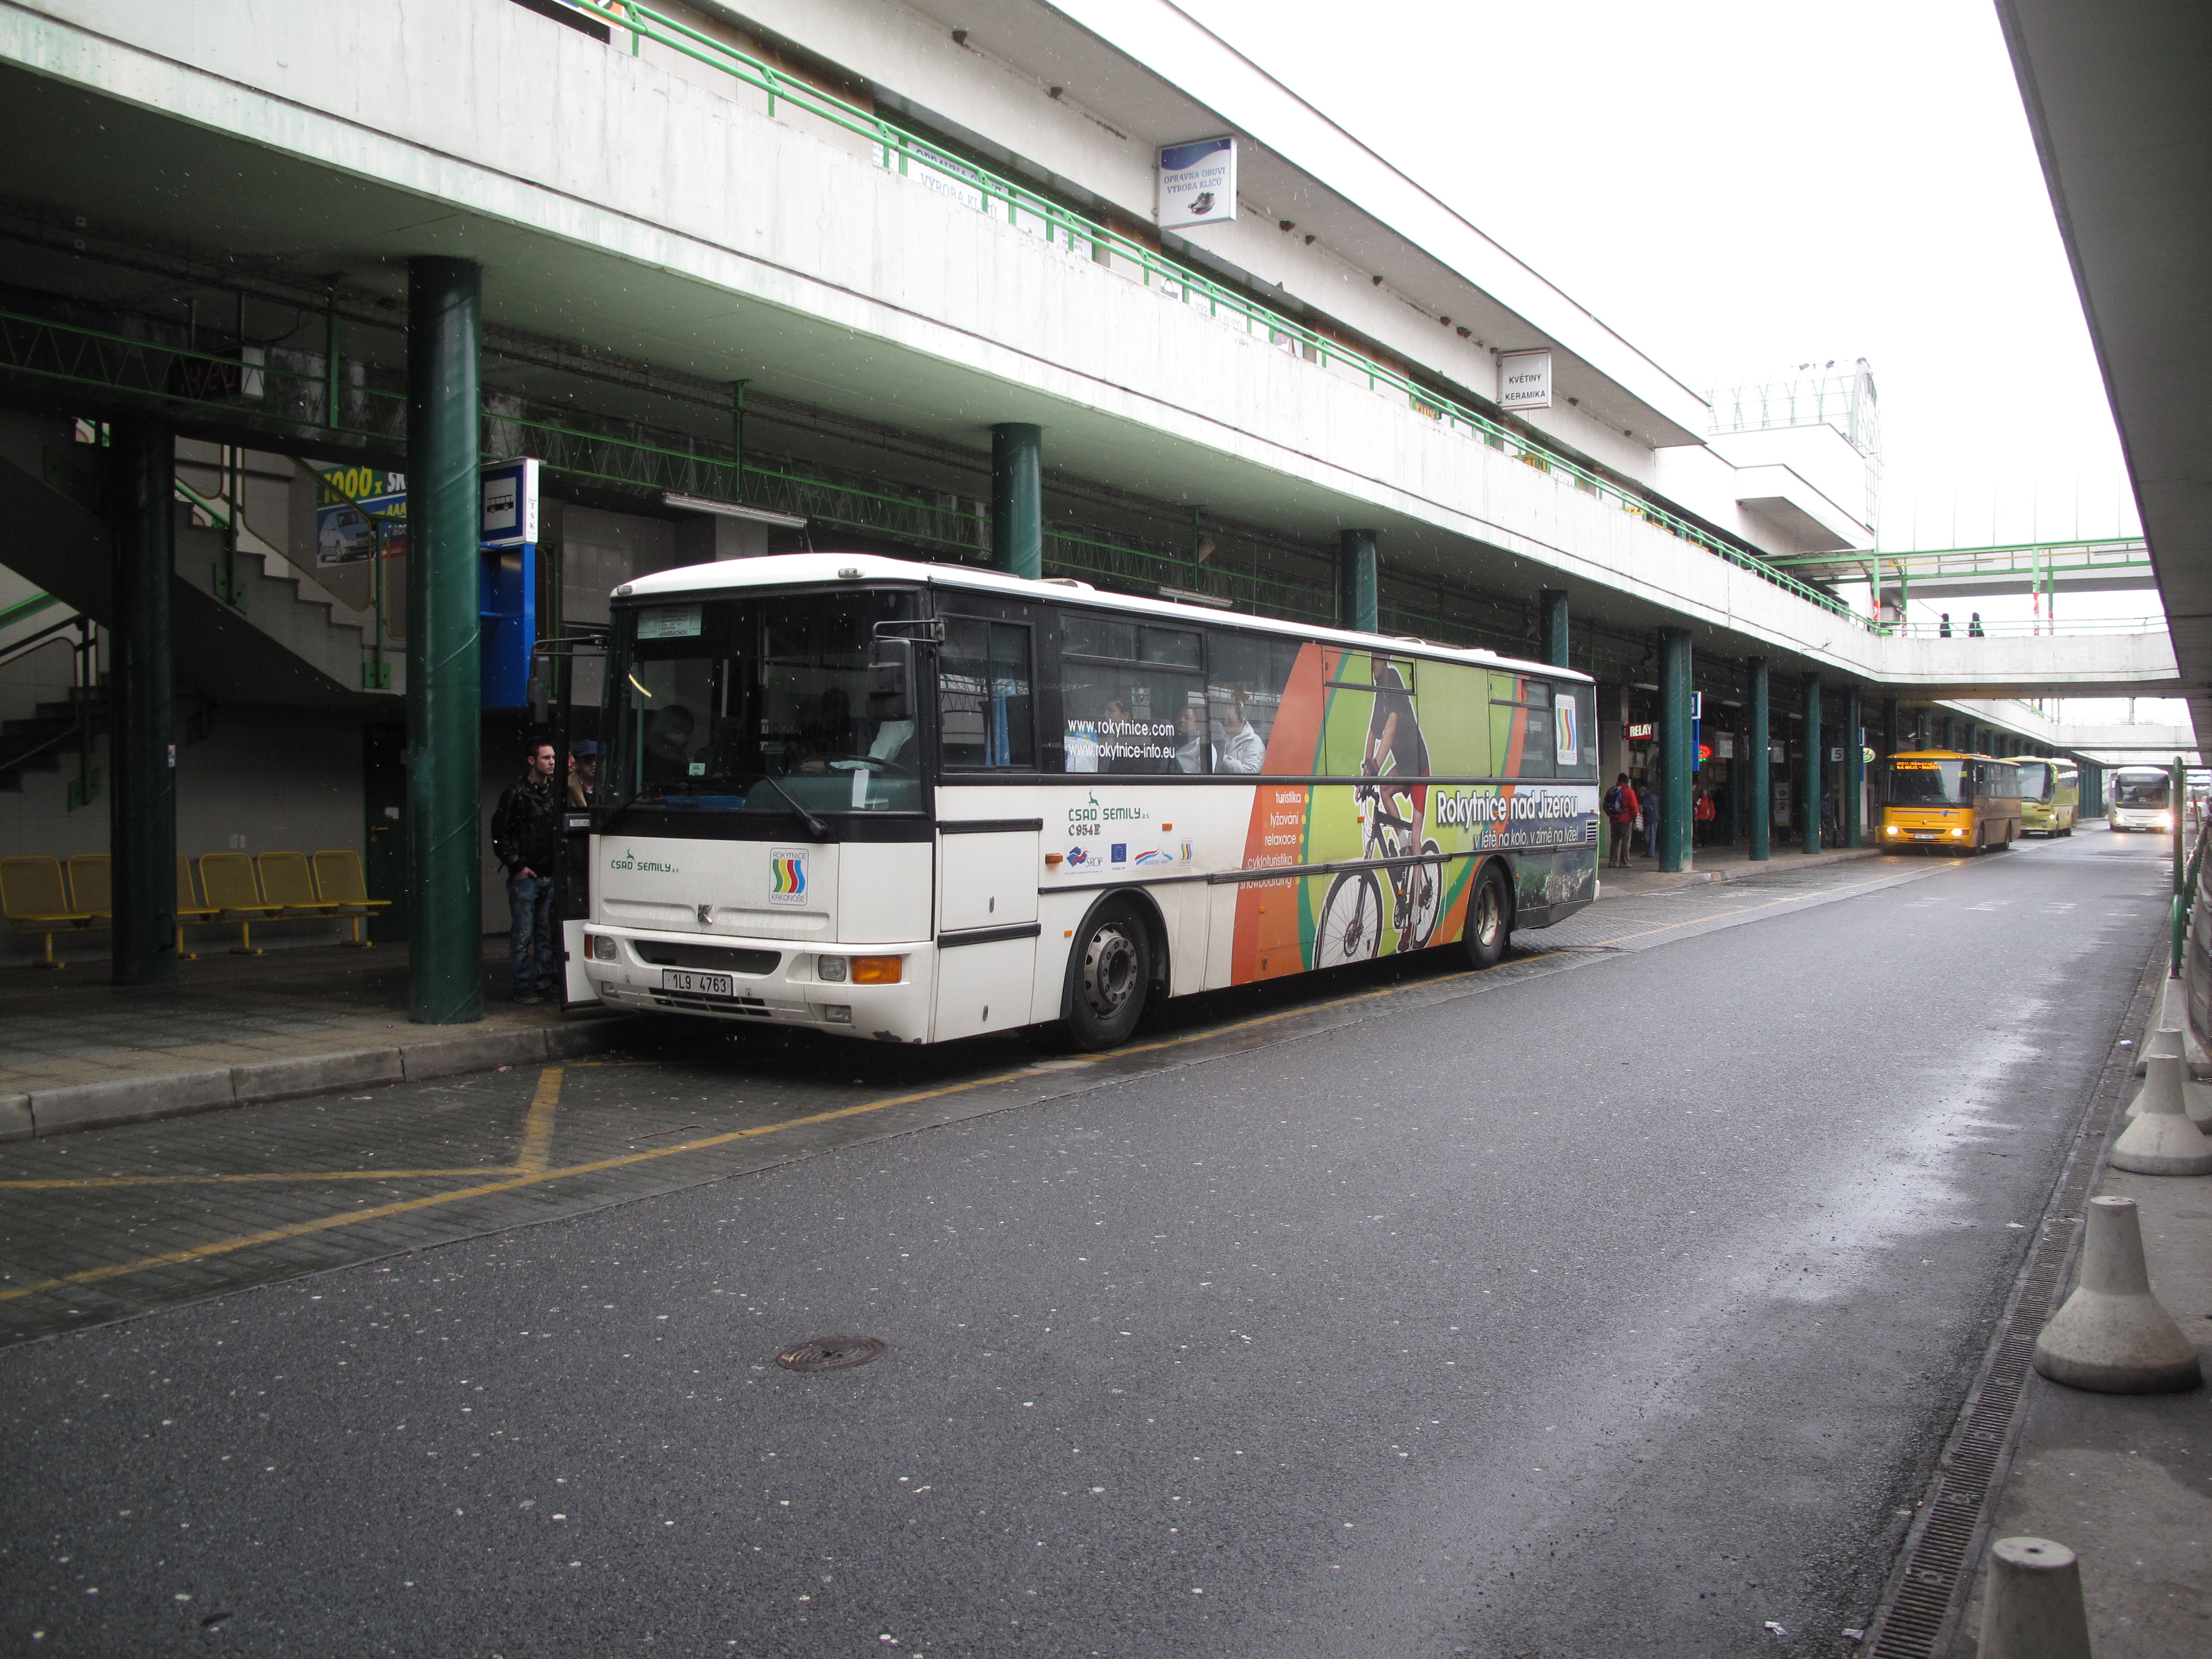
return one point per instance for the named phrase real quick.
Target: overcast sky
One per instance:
(1742, 186)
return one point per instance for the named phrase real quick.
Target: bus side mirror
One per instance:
(890, 680)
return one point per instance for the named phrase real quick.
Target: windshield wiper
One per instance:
(814, 827)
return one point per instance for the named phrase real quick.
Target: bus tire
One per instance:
(1489, 918)
(1110, 975)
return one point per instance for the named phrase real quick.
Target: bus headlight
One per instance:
(1958, 832)
(1895, 830)
(2164, 821)
(603, 947)
(830, 970)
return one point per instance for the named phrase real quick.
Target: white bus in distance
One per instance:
(911, 803)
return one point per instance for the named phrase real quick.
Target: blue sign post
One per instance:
(507, 605)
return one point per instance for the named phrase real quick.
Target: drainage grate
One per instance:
(830, 1353)
(1928, 1593)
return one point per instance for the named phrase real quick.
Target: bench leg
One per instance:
(245, 945)
(49, 959)
(183, 955)
(357, 942)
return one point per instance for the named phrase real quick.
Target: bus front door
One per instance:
(986, 924)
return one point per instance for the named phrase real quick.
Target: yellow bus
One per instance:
(2049, 797)
(1946, 801)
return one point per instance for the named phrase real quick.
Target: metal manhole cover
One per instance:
(830, 1353)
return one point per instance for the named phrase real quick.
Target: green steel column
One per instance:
(2093, 790)
(1758, 806)
(1358, 581)
(2178, 799)
(141, 753)
(1017, 499)
(444, 952)
(1555, 626)
(1675, 756)
(1808, 812)
(1854, 812)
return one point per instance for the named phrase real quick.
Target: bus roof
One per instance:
(818, 569)
(1959, 754)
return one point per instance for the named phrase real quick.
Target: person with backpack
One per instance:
(1621, 809)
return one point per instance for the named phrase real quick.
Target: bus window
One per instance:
(1923, 782)
(1131, 697)
(1246, 676)
(1522, 725)
(2035, 780)
(2136, 786)
(984, 696)
(705, 698)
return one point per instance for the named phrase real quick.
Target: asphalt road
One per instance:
(1619, 1311)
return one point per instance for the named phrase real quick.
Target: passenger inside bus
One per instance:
(668, 751)
(1190, 740)
(1240, 748)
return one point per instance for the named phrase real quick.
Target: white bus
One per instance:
(2139, 798)
(912, 803)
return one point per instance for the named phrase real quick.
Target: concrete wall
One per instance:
(264, 779)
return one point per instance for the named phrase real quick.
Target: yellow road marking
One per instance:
(548, 1094)
(529, 1159)
(537, 1126)
(231, 1180)
(429, 1201)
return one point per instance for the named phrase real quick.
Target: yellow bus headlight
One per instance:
(1958, 832)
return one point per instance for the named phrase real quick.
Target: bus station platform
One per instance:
(76, 1052)
(1716, 864)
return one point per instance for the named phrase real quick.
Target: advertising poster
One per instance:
(1358, 715)
(1197, 183)
(343, 535)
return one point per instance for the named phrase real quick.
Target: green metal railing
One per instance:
(956, 176)
(2187, 868)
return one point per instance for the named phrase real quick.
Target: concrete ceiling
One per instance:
(2117, 96)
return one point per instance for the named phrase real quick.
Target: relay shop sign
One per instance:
(1197, 184)
(1524, 379)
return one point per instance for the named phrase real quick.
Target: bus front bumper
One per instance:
(846, 990)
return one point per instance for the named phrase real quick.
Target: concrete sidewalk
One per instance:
(2125, 1481)
(76, 1052)
(1712, 864)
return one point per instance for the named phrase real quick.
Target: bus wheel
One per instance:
(1489, 919)
(1351, 925)
(1108, 973)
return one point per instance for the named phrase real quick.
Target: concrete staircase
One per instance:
(283, 638)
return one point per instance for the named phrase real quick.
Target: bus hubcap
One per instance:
(1488, 913)
(1109, 972)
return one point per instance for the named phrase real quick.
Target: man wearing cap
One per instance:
(583, 772)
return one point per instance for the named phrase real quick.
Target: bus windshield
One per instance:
(1924, 782)
(2035, 780)
(756, 705)
(2143, 788)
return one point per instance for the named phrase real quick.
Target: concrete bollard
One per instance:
(2112, 1336)
(2171, 1032)
(2032, 1606)
(2161, 1138)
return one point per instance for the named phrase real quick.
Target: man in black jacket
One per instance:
(525, 837)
